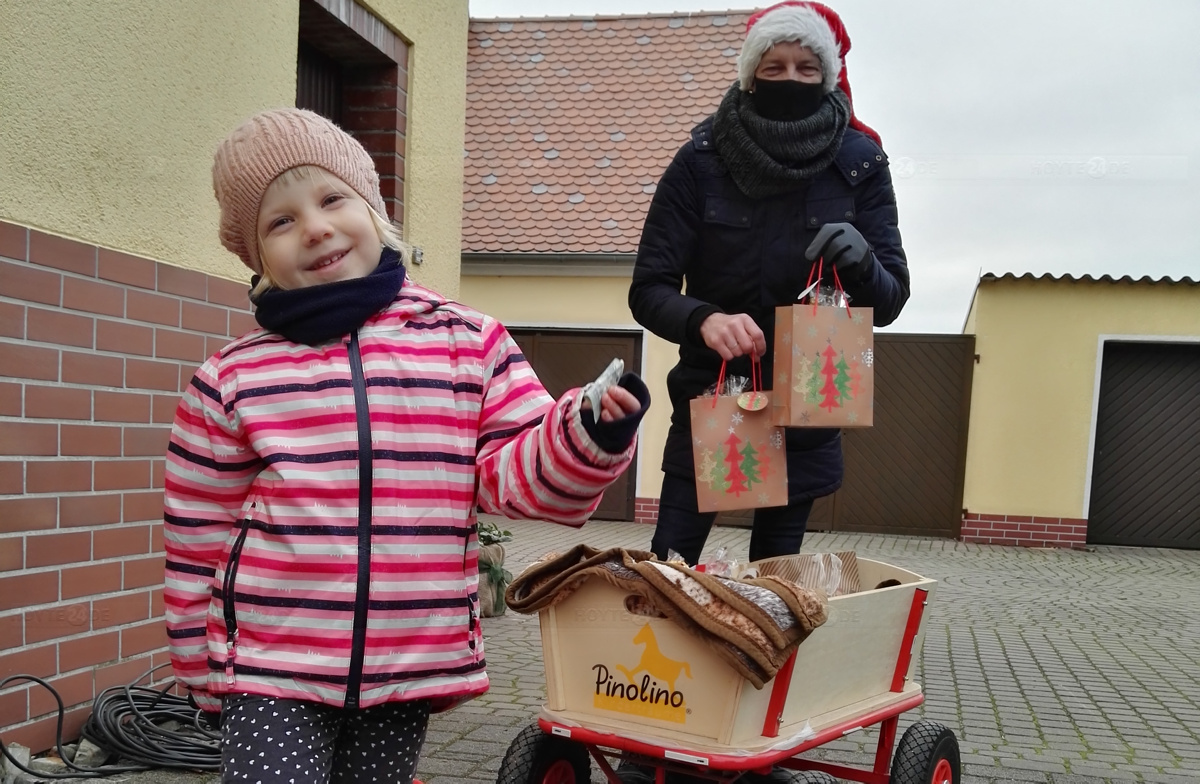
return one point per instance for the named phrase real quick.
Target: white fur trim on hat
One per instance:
(790, 23)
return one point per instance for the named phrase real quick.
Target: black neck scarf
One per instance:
(769, 157)
(316, 314)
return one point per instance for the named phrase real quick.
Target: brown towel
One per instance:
(752, 624)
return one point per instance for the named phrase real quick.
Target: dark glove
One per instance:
(843, 247)
(616, 436)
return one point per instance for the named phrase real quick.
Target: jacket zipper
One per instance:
(470, 605)
(227, 599)
(365, 475)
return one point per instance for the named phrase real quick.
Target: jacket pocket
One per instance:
(726, 260)
(728, 212)
(228, 601)
(822, 211)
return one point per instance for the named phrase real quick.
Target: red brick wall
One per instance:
(374, 108)
(95, 348)
(645, 510)
(1024, 531)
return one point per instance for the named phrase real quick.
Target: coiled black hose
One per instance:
(129, 721)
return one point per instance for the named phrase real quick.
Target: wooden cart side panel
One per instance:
(846, 713)
(555, 700)
(919, 642)
(639, 670)
(729, 719)
(872, 573)
(852, 657)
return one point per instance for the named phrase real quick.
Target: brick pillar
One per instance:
(374, 110)
(645, 510)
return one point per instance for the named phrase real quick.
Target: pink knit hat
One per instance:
(267, 145)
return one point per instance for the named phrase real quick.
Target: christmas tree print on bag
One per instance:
(739, 456)
(824, 364)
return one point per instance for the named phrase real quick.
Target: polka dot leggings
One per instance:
(276, 741)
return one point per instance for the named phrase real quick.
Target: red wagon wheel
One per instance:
(537, 758)
(927, 754)
(561, 772)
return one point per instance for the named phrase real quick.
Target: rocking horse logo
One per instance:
(653, 694)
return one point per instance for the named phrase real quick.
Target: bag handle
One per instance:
(720, 382)
(818, 268)
(755, 377)
(837, 282)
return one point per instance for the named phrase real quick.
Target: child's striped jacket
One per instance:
(288, 575)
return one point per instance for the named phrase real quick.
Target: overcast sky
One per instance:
(1052, 136)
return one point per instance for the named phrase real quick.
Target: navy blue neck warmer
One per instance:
(319, 313)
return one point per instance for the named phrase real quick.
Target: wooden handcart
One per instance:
(624, 687)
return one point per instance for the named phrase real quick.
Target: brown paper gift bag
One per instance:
(824, 367)
(739, 456)
(836, 574)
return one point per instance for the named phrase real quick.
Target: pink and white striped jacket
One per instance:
(290, 576)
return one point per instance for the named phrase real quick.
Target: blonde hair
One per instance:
(389, 233)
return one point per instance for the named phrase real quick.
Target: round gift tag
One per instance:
(752, 401)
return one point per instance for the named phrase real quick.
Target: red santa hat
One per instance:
(815, 25)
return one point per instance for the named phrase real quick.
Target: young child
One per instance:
(324, 473)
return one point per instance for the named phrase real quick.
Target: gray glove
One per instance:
(842, 246)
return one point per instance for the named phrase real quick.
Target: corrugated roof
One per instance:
(571, 122)
(992, 276)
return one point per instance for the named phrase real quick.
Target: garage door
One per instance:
(564, 359)
(1146, 465)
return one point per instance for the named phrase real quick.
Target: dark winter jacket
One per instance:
(735, 254)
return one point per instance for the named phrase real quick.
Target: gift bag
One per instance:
(824, 363)
(739, 456)
(835, 574)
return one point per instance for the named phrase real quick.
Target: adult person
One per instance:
(780, 176)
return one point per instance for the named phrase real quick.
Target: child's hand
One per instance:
(618, 403)
(621, 407)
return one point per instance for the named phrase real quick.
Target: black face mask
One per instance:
(784, 99)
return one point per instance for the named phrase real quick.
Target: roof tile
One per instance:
(571, 122)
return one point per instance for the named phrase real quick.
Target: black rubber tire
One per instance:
(633, 773)
(812, 777)
(781, 775)
(533, 753)
(923, 746)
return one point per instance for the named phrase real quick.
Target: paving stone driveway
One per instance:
(1061, 667)
(1051, 666)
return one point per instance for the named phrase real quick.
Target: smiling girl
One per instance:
(324, 473)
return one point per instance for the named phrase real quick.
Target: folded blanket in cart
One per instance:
(754, 623)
